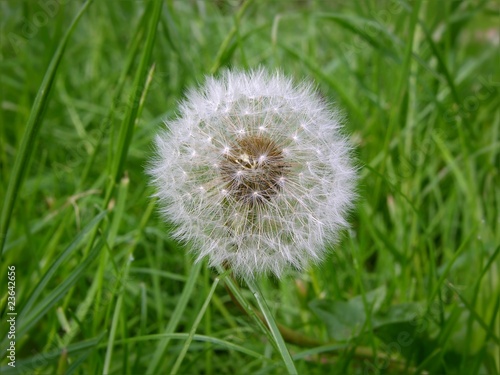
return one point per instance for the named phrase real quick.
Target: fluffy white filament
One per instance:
(255, 173)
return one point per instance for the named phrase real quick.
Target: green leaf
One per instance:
(345, 319)
(399, 325)
(405, 332)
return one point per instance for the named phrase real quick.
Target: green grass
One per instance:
(101, 287)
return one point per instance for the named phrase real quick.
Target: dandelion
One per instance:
(255, 173)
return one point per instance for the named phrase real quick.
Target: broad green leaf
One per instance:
(345, 319)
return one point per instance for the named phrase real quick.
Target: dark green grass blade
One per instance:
(196, 337)
(60, 260)
(174, 320)
(226, 46)
(32, 128)
(133, 107)
(322, 77)
(441, 62)
(59, 292)
(475, 315)
(355, 25)
(273, 327)
(30, 364)
(197, 321)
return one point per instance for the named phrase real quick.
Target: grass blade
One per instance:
(275, 332)
(39, 311)
(32, 128)
(226, 44)
(475, 315)
(194, 327)
(133, 108)
(326, 78)
(28, 365)
(202, 338)
(114, 322)
(174, 320)
(358, 26)
(61, 259)
(28, 308)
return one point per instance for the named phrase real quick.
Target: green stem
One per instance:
(273, 327)
(296, 338)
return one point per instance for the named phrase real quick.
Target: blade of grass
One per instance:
(133, 49)
(197, 321)
(59, 292)
(476, 292)
(447, 269)
(93, 296)
(275, 332)
(84, 307)
(79, 361)
(358, 26)
(208, 322)
(116, 318)
(134, 105)
(474, 314)
(441, 62)
(28, 308)
(57, 263)
(42, 359)
(400, 110)
(174, 320)
(226, 44)
(183, 336)
(32, 128)
(291, 336)
(159, 273)
(452, 162)
(242, 302)
(326, 78)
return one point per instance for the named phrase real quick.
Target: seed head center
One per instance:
(254, 169)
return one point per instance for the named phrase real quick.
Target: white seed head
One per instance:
(272, 186)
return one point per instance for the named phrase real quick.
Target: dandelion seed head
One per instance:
(255, 173)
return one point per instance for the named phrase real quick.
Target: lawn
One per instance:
(92, 280)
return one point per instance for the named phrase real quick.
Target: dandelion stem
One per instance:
(296, 338)
(272, 326)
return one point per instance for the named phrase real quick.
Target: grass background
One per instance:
(101, 287)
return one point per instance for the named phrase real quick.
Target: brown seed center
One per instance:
(254, 170)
